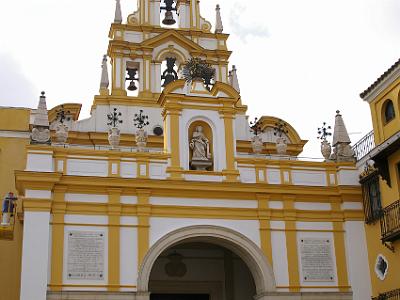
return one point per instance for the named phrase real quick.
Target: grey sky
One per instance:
(297, 60)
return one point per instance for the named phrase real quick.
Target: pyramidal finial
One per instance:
(219, 28)
(340, 134)
(41, 117)
(104, 83)
(233, 79)
(118, 13)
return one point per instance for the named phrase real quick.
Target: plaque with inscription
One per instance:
(317, 260)
(85, 260)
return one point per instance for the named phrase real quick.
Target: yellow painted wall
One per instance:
(14, 119)
(12, 157)
(383, 131)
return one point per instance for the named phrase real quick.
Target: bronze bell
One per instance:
(132, 86)
(169, 18)
(168, 79)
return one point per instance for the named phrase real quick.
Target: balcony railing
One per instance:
(390, 222)
(364, 146)
(392, 295)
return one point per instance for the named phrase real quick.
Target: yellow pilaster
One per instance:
(230, 173)
(338, 235)
(114, 213)
(173, 135)
(291, 243)
(143, 214)
(264, 216)
(57, 246)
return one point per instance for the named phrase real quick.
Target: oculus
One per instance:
(381, 267)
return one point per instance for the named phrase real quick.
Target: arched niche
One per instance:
(388, 111)
(208, 133)
(243, 247)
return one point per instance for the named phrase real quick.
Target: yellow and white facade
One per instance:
(383, 207)
(105, 224)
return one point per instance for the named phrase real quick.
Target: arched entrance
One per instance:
(237, 256)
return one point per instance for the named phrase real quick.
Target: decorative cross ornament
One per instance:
(114, 118)
(323, 132)
(62, 115)
(255, 127)
(280, 128)
(141, 120)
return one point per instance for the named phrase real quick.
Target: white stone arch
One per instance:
(171, 51)
(185, 140)
(239, 244)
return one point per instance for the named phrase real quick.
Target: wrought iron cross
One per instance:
(114, 118)
(62, 115)
(141, 120)
(323, 132)
(280, 128)
(255, 127)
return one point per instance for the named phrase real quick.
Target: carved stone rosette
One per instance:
(141, 140)
(114, 137)
(61, 135)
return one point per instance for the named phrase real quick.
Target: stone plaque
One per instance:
(316, 259)
(85, 259)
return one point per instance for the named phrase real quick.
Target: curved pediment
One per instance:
(196, 91)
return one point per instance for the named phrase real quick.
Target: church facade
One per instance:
(167, 192)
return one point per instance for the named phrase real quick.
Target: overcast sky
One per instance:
(297, 60)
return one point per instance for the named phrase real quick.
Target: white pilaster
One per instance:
(35, 250)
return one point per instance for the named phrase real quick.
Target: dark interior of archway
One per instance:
(200, 271)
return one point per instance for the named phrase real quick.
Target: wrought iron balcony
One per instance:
(364, 146)
(392, 295)
(390, 223)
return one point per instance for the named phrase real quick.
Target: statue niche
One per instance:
(200, 144)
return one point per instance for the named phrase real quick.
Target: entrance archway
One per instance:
(224, 238)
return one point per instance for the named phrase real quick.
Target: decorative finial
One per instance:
(114, 118)
(324, 132)
(219, 28)
(43, 93)
(255, 127)
(118, 13)
(341, 141)
(40, 131)
(280, 128)
(234, 81)
(104, 82)
(141, 120)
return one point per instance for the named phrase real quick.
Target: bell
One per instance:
(168, 79)
(169, 18)
(132, 87)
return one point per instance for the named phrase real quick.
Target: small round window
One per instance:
(389, 111)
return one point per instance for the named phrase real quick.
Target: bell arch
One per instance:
(249, 252)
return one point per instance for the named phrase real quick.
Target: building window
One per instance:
(371, 197)
(389, 111)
